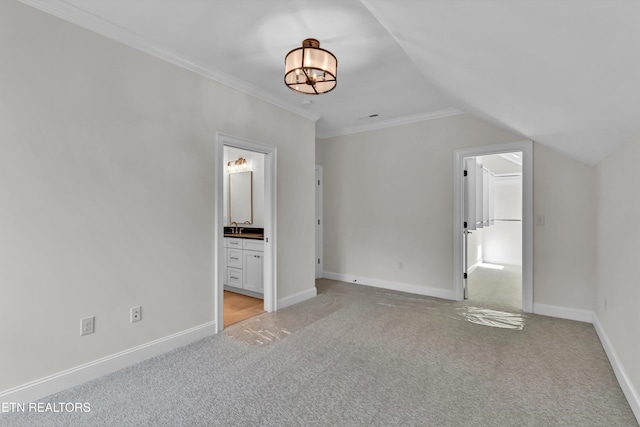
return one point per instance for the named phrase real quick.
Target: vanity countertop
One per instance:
(255, 236)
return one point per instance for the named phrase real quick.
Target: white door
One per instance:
(318, 260)
(470, 214)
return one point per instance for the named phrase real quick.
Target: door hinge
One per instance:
(465, 173)
(318, 260)
(464, 276)
(318, 182)
(464, 224)
(318, 222)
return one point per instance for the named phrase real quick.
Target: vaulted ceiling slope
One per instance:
(564, 73)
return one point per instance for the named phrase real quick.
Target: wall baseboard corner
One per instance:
(473, 267)
(394, 286)
(296, 298)
(626, 385)
(68, 378)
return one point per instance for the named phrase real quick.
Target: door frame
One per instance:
(526, 147)
(270, 221)
(320, 223)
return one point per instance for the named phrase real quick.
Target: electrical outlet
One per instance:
(136, 314)
(87, 325)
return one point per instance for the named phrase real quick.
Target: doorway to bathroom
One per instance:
(493, 225)
(245, 256)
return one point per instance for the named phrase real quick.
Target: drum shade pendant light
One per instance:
(310, 70)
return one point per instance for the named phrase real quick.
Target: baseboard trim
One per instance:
(296, 298)
(394, 286)
(563, 312)
(501, 261)
(626, 385)
(55, 383)
(473, 267)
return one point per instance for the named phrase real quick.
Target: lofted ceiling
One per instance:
(565, 73)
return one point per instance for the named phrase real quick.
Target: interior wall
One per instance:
(256, 165)
(564, 250)
(502, 242)
(388, 208)
(107, 193)
(618, 252)
(388, 199)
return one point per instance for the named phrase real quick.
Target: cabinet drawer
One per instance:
(232, 242)
(234, 258)
(253, 244)
(234, 277)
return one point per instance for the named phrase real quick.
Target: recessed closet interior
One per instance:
(494, 239)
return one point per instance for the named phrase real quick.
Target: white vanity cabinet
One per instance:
(252, 268)
(244, 266)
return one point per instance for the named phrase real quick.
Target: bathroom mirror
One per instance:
(241, 197)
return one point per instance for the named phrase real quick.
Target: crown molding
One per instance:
(88, 21)
(70, 13)
(381, 124)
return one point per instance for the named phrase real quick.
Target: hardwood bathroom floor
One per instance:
(240, 307)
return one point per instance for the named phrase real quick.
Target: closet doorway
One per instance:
(482, 247)
(493, 234)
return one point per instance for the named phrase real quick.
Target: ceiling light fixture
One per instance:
(311, 70)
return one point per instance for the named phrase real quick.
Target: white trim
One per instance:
(55, 383)
(398, 121)
(394, 286)
(526, 147)
(98, 25)
(508, 177)
(630, 392)
(270, 222)
(563, 312)
(297, 297)
(88, 21)
(513, 261)
(319, 267)
(474, 266)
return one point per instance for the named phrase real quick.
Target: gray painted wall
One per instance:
(388, 199)
(107, 193)
(618, 231)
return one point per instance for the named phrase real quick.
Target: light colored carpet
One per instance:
(366, 357)
(498, 289)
